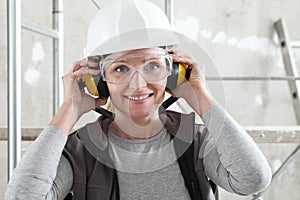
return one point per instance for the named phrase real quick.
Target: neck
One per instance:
(129, 128)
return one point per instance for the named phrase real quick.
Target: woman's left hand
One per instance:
(200, 98)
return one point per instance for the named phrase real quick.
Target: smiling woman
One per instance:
(136, 80)
(144, 152)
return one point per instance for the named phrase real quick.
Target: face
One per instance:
(135, 94)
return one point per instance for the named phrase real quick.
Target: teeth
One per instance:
(138, 98)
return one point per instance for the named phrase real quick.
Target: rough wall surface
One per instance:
(238, 35)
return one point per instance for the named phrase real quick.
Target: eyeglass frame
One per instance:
(102, 62)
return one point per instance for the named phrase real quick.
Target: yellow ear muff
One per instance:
(91, 85)
(181, 74)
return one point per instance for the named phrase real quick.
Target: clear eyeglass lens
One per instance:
(93, 62)
(151, 68)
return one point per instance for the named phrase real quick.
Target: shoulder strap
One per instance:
(197, 184)
(186, 165)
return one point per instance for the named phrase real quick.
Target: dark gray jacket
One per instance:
(95, 180)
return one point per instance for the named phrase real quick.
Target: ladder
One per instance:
(291, 70)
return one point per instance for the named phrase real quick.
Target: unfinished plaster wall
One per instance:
(238, 35)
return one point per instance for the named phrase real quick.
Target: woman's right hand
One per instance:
(76, 102)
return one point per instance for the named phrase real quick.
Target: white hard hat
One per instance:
(128, 24)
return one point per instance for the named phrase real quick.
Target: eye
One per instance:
(121, 69)
(152, 67)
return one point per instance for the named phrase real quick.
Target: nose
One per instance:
(137, 81)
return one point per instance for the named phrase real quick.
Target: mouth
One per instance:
(139, 97)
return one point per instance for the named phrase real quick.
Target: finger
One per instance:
(83, 71)
(79, 74)
(186, 60)
(198, 70)
(77, 65)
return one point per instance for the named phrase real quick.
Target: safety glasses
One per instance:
(120, 70)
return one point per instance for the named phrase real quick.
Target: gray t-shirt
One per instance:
(230, 158)
(141, 175)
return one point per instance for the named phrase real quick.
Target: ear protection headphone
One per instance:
(97, 87)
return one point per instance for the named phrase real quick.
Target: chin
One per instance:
(143, 114)
(139, 114)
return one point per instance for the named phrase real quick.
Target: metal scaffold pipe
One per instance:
(252, 78)
(58, 50)
(278, 172)
(39, 29)
(97, 4)
(14, 83)
(169, 10)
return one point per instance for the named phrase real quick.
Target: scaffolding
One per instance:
(14, 25)
(286, 47)
(15, 133)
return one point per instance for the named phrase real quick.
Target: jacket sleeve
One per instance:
(43, 173)
(230, 156)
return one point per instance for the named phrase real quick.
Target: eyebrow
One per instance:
(124, 58)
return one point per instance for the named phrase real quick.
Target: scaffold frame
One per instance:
(14, 25)
(14, 133)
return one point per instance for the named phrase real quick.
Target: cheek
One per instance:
(110, 88)
(160, 93)
(114, 92)
(161, 90)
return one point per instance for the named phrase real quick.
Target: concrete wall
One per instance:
(238, 35)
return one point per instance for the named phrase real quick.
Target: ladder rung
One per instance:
(295, 44)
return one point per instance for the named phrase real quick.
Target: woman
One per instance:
(143, 152)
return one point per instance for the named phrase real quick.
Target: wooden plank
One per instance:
(28, 134)
(260, 134)
(274, 134)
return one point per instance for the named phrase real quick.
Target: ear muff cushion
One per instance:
(96, 86)
(91, 85)
(177, 77)
(102, 87)
(172, 79)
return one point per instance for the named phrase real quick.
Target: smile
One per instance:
(139, 98)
